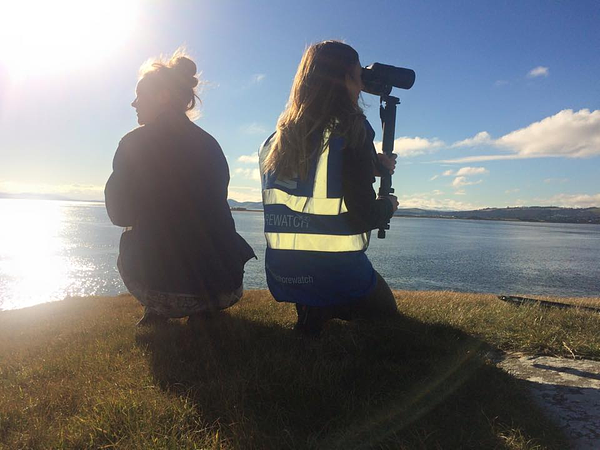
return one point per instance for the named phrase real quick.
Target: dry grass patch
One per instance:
(77, 374)
(529, 328)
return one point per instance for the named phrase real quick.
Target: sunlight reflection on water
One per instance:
(32, 262)
(40, 261)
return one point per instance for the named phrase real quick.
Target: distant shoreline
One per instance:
(246, 210)
(407, 216)
(43, 198)
(530, 214)
(403, 216)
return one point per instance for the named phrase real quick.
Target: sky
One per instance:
(505, 110)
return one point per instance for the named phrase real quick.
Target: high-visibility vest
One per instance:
(313, 255)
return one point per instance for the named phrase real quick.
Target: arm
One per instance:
(367, 212)
(119, 192)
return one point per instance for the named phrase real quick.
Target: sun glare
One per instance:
(42, 37)
(32, 263)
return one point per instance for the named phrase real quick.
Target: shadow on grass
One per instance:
(393, 384)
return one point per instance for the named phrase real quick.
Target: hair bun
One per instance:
(186, 68)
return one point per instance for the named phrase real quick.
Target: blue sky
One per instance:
(505, 110)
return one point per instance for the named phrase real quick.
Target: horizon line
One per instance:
(49, 197)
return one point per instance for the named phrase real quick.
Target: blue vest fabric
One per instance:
(313, 256)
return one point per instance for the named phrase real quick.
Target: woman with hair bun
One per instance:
(180, 255)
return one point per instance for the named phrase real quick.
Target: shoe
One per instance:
(310, 321)
(200, 320)
(306, 331)
(195, 321)
(150, 318)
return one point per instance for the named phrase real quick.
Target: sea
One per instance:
(50, 250)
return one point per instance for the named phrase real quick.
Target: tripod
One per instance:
(387, 113)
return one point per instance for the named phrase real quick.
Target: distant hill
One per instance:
(526, 213)
(253, 206)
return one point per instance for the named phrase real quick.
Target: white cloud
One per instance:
(254, 128)
(462, 181)
(483, 158)
(245, 194)
(574, 200)
(481, 138)
(556, 180)
(566, 134)
(407, 146)
(499, 83)
(253, 81)
(437, 192)
(461, 175)
(460, 192)
(435, 177)
(465, 171)
(539, 71)
(468, 171)
(512, 191)
(258, 77)
(250, 174)
(427, 201)
(249, 159)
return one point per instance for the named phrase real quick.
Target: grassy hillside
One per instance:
(77, 374)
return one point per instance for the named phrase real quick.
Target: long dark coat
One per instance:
(169, 183)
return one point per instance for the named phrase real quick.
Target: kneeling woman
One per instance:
(318, 172)
(181, 255)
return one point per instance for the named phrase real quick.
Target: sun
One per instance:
(47, 37)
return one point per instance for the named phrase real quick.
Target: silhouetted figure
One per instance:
(181, 255)
(318, 172)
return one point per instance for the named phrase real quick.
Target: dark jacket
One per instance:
(169, 183)
(366, 211)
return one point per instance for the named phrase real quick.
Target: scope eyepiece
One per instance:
(378, 79)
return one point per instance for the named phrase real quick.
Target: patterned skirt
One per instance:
(174, 305)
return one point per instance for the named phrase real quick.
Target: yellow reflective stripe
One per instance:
(320, 186)
(317, 242)
(308, 205)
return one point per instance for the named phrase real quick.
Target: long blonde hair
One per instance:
(319, 102)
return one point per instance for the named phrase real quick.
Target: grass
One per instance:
(77, 374)
(527, 329)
